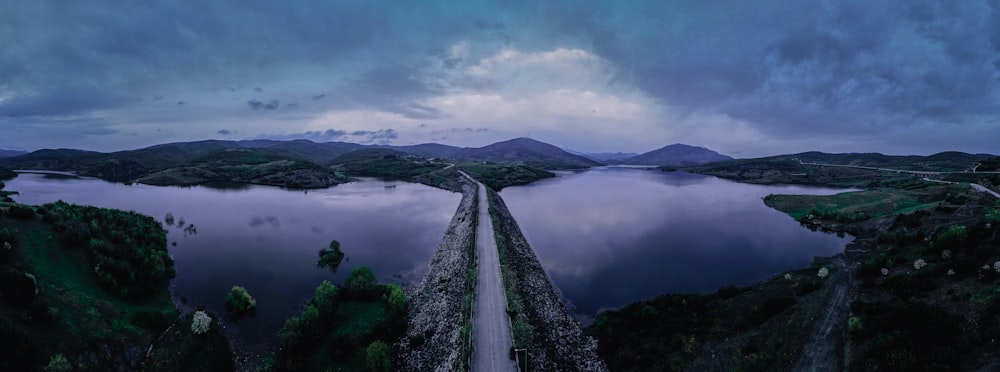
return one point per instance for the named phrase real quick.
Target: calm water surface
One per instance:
(267, 239)
(612, 236)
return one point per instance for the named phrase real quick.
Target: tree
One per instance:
(379, 357)
(361, 283)
(239, 302)
(200, 323)
(396, 299)
(326, 298)
(331, 257)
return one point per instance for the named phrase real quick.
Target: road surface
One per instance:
(984, 189)
(491, 338)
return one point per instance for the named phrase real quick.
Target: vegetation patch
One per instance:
(58, 305)
(862, 205)
(337, 329)
(239, 303)
(331, 257)
(498, 176)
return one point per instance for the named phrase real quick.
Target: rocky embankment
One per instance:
(558, 341)
(435, 303)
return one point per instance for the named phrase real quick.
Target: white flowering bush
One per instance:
(788, 276)
(823, 272)
(885, 271)
(996, 266)
(946, 254)
(919, 264)
(200, 322)
(951, 272)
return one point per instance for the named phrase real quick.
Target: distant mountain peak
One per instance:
(677, 154)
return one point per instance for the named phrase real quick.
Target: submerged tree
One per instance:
(239, 303)
(331, 257)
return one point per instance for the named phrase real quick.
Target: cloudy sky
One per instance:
(746, 78)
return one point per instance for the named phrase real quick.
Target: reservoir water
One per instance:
(606, 236)
(267, 239)
(612, 236)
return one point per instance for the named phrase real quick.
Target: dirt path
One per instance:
(824, 347)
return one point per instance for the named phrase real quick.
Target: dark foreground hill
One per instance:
(676, 155)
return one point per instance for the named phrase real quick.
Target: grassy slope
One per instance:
(910, 319)
(85, 317)
(881, 202)
(357, 321)
(65, 279)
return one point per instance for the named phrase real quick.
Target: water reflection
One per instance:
(266, 239)
(612, 236)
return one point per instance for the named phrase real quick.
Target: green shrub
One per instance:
(332, 257)
(854, 324)
(379, 357)
(361, 283)
(953, 238)
(396, 299)
(325, 298)
(58, 363)
(239, 303)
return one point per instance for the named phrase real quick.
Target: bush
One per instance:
(331, 257)
(58, 363)
(239, 303)
(361, 283)
(326, 298)
(200, 323)
(378, 357)
(854, 324)
(396, 299)
(21, 212)
(953, 238)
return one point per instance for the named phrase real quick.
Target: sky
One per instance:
(745, 78)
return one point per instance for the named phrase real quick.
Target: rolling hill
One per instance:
(528, 152)
(247, 165)
(677, 155)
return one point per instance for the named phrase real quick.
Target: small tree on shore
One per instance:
(378, 357)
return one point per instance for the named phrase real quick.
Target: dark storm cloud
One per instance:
(315, 136)
(787, 69)
(61, 101)
(394, 89)
(260, 105)
(802, 67)
(381, 136)
(224, 132)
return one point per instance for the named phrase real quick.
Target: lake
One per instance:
(611, 236)
(267, 239)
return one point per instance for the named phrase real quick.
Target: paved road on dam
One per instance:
(491, 338)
